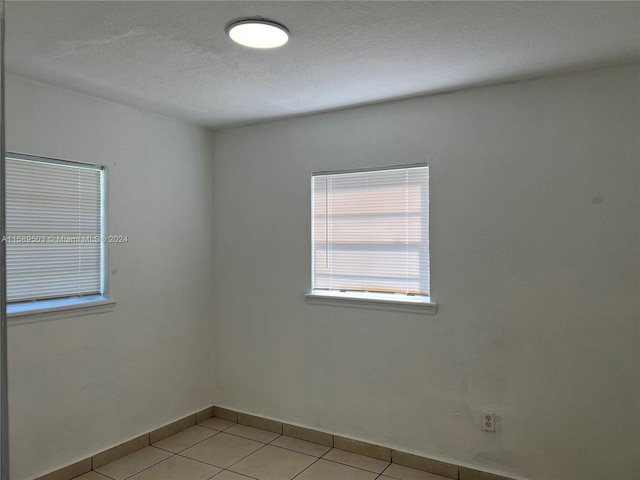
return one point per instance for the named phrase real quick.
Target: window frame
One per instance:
(45, 309)
(410, 304)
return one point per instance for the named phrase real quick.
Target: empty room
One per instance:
(320, 240)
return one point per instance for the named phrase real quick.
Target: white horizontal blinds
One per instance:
(371, 231)
(53, 227)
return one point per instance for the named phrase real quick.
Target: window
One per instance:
(54, 232)
(370, 238)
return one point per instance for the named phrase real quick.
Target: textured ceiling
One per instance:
(175, 58)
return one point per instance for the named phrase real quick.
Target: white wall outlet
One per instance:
(488, 421)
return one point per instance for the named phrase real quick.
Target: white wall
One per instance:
(535, 250)
(81, 385)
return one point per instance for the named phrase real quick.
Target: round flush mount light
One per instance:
(258, 33)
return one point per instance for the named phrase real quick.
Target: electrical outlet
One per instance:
(488, 421)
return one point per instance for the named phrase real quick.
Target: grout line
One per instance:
(225, 430)
(353, 466)
(235, 463)
(105, 476)
(276, 446)
(333, 441)
(271, 441)
(225, 468)
(203, 462)
(216, 429)
(160, 448)
(298, 451)
(243, 474)
(389, 466)
(290, 450)
(252, 439)
(146, 468)
(305, 469)
(150, 466)
(187, 448)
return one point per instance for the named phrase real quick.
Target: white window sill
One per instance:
(31, 312)
(372, 301)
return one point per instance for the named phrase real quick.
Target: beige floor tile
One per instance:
(91, 476)
(355, 460)
(325, 470)
(216, 423)
(222, 450)
(301, 446)
(119, 451)
(133, 463)
(273, 463)
(185, 439)
(178, 468)
(252, 433)
(227, 475)
(405, 473)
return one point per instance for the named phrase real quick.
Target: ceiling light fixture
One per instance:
(258, 33)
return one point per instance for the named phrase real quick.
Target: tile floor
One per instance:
(220, 450)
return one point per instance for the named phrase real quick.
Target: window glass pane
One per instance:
(371, 231)
(53, 228)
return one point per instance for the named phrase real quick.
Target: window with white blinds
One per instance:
(371, 233)
(54, 229)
